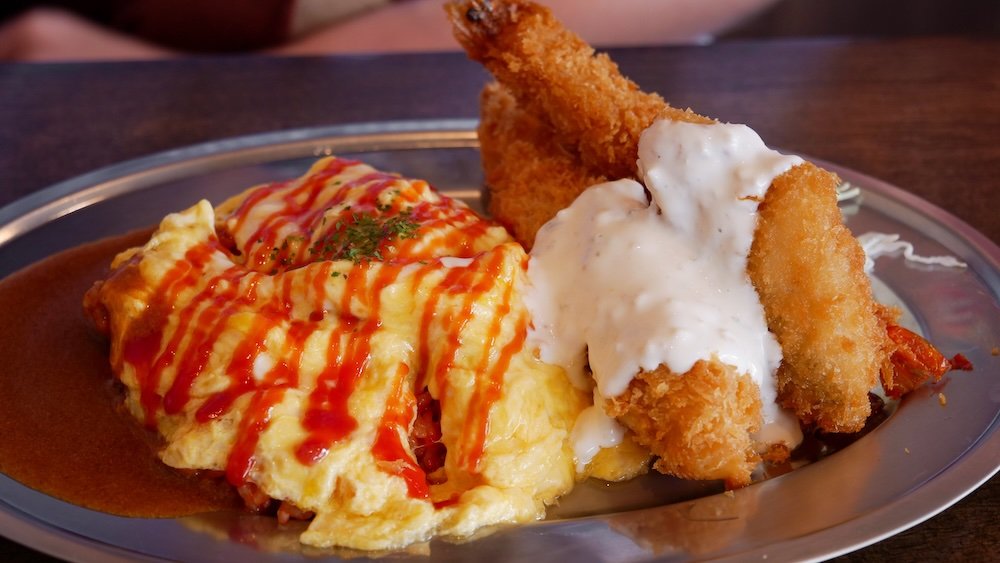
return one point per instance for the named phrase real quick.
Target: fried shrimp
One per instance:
(817, 300)
(518, 149)
(698, 423)
(597, 113)
(804, 264)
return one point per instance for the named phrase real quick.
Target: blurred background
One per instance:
(875, 18)
(54, 30)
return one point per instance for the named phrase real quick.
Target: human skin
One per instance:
(48, 34)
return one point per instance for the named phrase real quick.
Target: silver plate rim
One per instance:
(92, 187)
(967, 472)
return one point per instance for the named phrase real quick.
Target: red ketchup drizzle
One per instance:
(451, 344)
(469, 288)
(299, 203)
(490, 381)
(143, 338)
(328, 419)
(450, 501)
(470, 284)
(206, 330)
(456, 230)
(425, 321)
(240, 371)
(304, 210)
(240, 216)
(388, 446)
(203, 319)
(140, 351)
(255, 420)
(477, 424)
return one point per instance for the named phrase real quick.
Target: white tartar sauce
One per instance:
(628, 282)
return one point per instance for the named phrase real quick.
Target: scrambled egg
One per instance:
(328, 340)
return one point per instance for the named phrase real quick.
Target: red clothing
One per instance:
(206, 25)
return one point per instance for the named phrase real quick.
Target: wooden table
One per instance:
(923, 114)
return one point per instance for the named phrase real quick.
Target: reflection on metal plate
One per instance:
(887, 481)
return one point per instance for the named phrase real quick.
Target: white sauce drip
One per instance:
(629, 284)
(876, 245)
(592, 431)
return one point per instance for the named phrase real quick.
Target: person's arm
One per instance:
(413, 25)
(47, 34)
(420, 24)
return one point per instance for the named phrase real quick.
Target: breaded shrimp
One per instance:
(703, 430)
(698, 423)
(518, 149)
(804, 263)
(552, 72)
(808, 270)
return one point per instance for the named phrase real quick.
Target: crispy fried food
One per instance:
(703, 430)
(552, 72)
(816, 297)
(517, 150)
(817, 300)
(698, 423)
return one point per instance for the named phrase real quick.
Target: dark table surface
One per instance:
(923, 114)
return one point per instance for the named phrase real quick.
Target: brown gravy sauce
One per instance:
(63, 430)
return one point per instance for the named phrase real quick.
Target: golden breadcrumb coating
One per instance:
(517, 150)
(825, 320)
(698, 422)
(817, 300)
(552, 72)
(524, 164)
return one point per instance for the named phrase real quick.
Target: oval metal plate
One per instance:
(921, 460)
